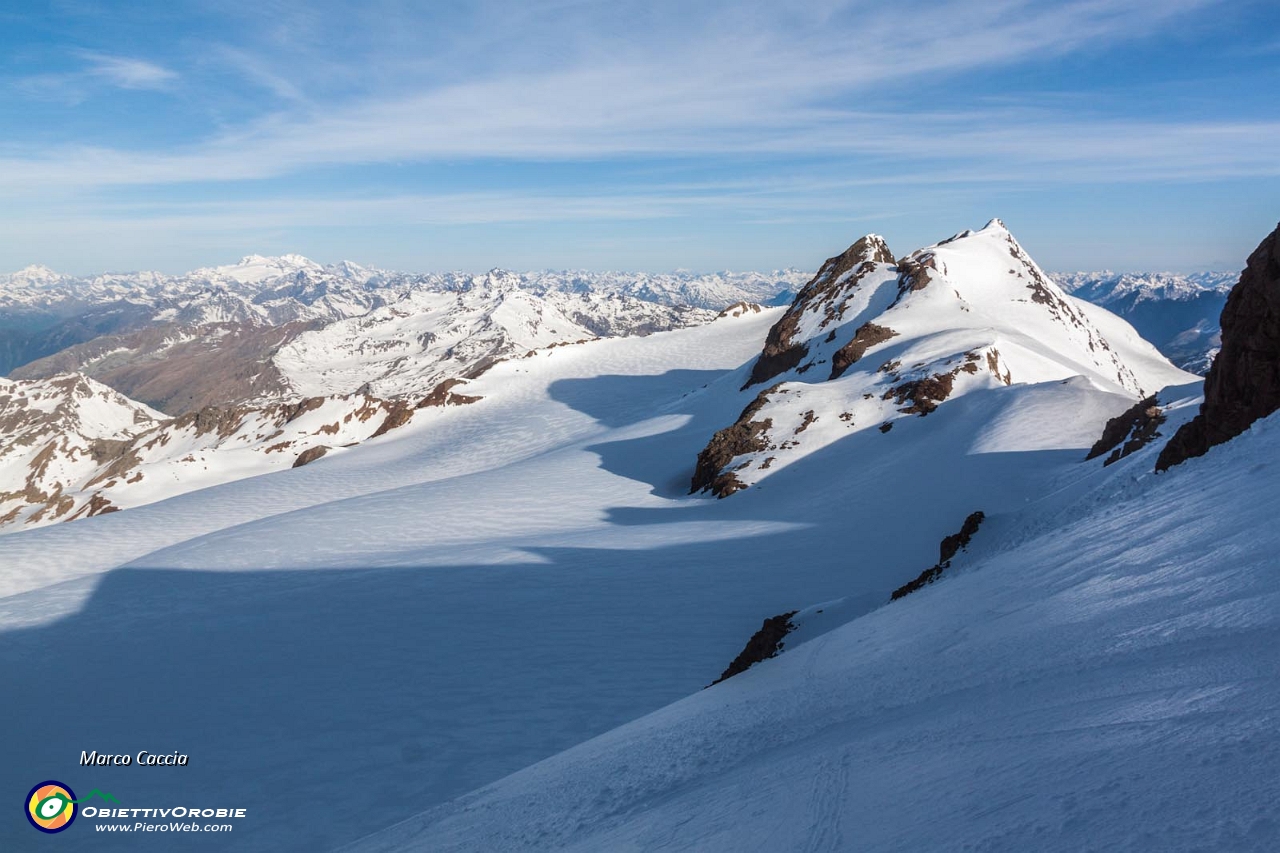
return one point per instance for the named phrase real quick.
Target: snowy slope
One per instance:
(1108, 685)
(488, 585)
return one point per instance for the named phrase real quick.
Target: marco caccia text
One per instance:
(142, 759)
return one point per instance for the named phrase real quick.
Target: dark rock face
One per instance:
(765, 643)
(924, 395)
(1244, 382)
(745, 436)
(947, 550)
(953, 544)
(97, 505)
(1128, 431)
(915, 273)
(781, 351)
(311, 454)
(399, 414)
(442, 395)
(867, 336)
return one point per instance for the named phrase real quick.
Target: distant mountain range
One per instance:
(118, 327)
(1178, 313)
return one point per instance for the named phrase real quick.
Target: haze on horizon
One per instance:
(634, 135)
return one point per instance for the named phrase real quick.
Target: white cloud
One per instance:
(744, 78)
(127, 72)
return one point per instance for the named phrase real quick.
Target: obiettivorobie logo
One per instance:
(51, 805)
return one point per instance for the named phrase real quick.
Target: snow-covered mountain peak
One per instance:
(870, 341)
(280, 261)
(351, 270)
(988, 261)
(255, 269)
(34, 275)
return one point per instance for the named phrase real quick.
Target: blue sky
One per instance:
(1142, 134)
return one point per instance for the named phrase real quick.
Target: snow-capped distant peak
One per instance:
(351, 270)
(35, 275)
(37, 271)
(253, 269)
(276, 260)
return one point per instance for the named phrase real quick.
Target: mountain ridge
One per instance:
(970, 314)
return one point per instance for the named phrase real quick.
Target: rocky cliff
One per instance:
(1244, 382)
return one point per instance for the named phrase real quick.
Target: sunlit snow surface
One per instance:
(341, 646)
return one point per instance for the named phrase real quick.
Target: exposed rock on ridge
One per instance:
(947, 550)
(71, 447)
(744, 436)
(867, 336)
(782, 351)
(1129, 431)
(764, 644)
(1244, 382)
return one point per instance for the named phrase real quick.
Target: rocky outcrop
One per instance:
(1244, 382)
(311, 454)
(764, 644)
(399, 415)
(922, 395)
(782, 351)
(1128, 431)
(867, 336)
(947, 550)
(443, 395)
(915, 272)
(746, 435)
(740, 309)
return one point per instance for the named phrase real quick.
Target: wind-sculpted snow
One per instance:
(1105, 685)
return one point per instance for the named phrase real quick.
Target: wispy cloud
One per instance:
(257, 71)
(127, 72)
(98, 72)
(1011, 145)
(747, 78)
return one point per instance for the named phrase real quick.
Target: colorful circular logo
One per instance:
(51, 806)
